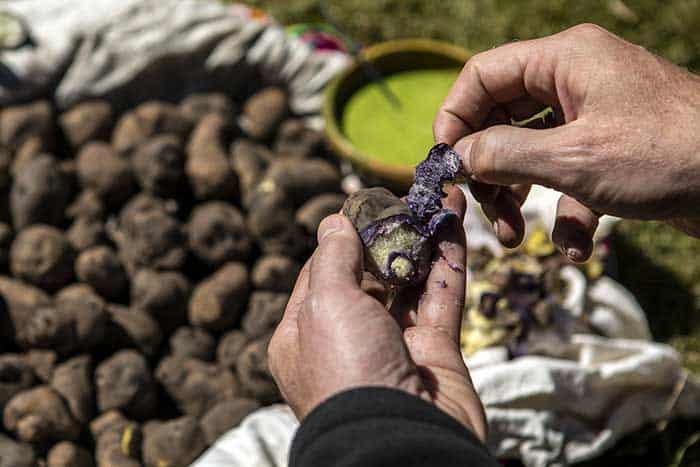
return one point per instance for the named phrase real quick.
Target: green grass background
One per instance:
(659, 265)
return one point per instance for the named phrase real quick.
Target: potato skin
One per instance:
(207, 167)
(175, 443)
(218, 233)
(124, 382)
(194, 385)
(40, 193)
(42, 256)
(226, 415)
(39, 416)
(67, 454)
(218, 301)
(276, 273)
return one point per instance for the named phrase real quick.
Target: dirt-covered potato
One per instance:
(312, 212)
(40, 416)
(149, 235)
(86, 233)
(188, 341)
(66, 327)
(20, 299)
(296, 139)
(42, 362)
(300, 180)
(14, 454)
(249, 160)
(16, 375)
(42, 256)
(263, 112)
(265, 310)
(117, 440)
(87, 205)
(218, 233)
(276, 273)
(207, 167)
(278, 233)
(67, 454)
(72, 379)
(159, 165)
(100, 268)
(226, 415)
(175, 443)
(230, 347)
(88, 121)
(254, 374)
(134, 328)
(149, 119)
(164, 295)
(124, 382)
(194, 385)
(101, 169)
(80, 292)
(218, 301)
(20, 123)
(199, 105)
(40, 193)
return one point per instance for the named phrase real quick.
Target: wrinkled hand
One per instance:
(335, 336)
(627, 143)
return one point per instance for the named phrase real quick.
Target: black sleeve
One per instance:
(373, 427)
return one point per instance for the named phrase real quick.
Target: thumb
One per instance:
(336, 265)
(509, 155)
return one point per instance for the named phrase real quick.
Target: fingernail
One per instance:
(463, 148)
(329, 225)
(495, 227)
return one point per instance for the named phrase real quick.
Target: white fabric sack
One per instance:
(129, 51)
(261, 440)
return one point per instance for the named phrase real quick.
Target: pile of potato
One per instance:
(145, 259)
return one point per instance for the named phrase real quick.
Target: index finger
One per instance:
(442, 301)
(495, 77)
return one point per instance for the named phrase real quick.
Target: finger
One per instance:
(573, 230)
(494, 77)
(506, 218)
(446, 377)
(442, 302)
(283, 349)
(337, 262)
(507, 155)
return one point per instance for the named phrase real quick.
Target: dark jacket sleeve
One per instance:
(373, 427)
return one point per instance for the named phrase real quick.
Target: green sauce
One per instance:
(397, 135)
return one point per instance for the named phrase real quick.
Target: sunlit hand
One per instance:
(335, 336)
(627, 143)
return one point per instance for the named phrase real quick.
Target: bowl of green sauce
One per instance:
(379, 137)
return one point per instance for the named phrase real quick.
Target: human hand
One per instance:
(627, 144)
(335, 336)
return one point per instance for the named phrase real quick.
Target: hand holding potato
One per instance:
(335, 336)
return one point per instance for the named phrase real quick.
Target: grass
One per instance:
(659, 265)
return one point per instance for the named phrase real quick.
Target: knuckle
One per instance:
(484, 154)
(589, 31)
